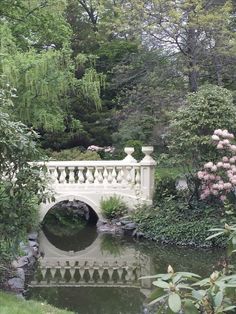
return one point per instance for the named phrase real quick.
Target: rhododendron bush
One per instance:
(218, 179)
(192, 124)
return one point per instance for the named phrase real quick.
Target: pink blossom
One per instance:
(208, 165)
(218, 132)
(226, 165)
(233, 148)
(206, 177)
(223, 197)
(200, 174)
(220, 186)
(233, 181)
(220, 146)
(215, 137)
(226, 142)
(225, 159)
(215, 193)
(232, 160)
(225, 133)
(214, 168)
(227, 186)
(220, 164)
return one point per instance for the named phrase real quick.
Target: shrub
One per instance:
(73, 154)
(191, 126)
(175, 223)
(113, 207)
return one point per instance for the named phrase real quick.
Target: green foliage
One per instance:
(22, 186)
(192, 125)
(72, 154)
(173, 221)
(113, 207)
(165, 183)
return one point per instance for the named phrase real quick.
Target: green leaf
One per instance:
(214, 235)
(174, 302)
(229, 308)
(198, 294)
(218, 298)
(187, 274)
(190, 308)
(158, 292)
(161, 284)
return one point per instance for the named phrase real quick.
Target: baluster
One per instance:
(96, 174)
(81, 175)
(71, 175)
(120, 273)
(114, 176)
(62, 178)
(105, 176)
(110, 273)
(53, 174)
(137, 177)
(89, 175)
(91, 272)
(109, 178)
(72, 274)
(43, 272)
(100, 176)
(62, 272)
(128, 177)
(81, 272)
(53, 273)
(120, 175)
(100, 273)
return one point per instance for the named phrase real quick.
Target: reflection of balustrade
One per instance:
(86, 273)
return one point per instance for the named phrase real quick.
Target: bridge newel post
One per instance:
(129, 151)
(147, 173)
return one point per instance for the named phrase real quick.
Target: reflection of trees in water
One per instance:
(112, 245)
(198, 261)
(92, 300)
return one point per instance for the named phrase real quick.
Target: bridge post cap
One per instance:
(147, 159)
(129, 151)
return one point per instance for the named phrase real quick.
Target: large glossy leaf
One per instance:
(229, 308)
(190, 308)
(215, 235)
(158, 292)
(174, 302)
(187, 274)
(218, 298)
(161, 284)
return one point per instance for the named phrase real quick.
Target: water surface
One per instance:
(91, 273)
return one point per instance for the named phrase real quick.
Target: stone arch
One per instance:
(45, 207)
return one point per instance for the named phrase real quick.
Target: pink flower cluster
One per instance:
(220, 178)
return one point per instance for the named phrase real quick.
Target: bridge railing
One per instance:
(115, 174)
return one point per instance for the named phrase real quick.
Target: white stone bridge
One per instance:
(90, 181)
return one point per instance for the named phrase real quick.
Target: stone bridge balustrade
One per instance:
(89, 181)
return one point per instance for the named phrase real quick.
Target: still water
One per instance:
(91, 273)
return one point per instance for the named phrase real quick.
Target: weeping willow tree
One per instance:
(45, 83)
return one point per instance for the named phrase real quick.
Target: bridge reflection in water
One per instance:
(95, 266)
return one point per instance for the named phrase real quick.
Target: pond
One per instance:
(91, 273)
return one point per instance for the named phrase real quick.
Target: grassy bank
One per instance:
(10, 304)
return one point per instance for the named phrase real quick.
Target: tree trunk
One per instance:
(192, 60)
